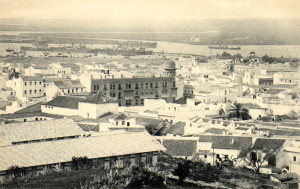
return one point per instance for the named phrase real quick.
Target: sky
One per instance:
(165, 10)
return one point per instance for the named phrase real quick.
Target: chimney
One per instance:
(232, 140)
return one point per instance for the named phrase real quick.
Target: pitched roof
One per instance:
(65, 102)
(121, 117)
(227, 142)
(177, 147)
(31, 78)
(33, 108)
(28, 131)
(267, 144)
(215, 131)
(176, 129)
(69, 84)
(28, 114)
(106, 145)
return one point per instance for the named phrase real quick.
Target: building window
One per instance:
(151, 85)
(128, 102)
(30, 91)
(104, 87)
(156, 85)
(136, 86)
(174, 84)
(136, 102)
(123, 122)
(34, 91)
(30, 83)
(25, 83)
(146, 86)
(120, 87)
(142, 85)
(40, 83)
(295, 158)
(25, 92)
(128, 124)
(205, 156)
(35, 83)
(25, 120)
(36, 119)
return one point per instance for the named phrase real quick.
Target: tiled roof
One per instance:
(176, 129)
(177, 147)
(65, 102)
(88, 127)
(268, 144)
(106, 145)
(227, 142)
(148, 121)
(31, 78)
(68, 84)
(28, 114)
(215, 131)
(121, 117)
(28, 131)
(33, 108)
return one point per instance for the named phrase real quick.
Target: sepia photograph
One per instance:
(160, 94)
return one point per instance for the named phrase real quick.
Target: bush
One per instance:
(14, 172)
(80, 163)
(182, 170)
(204, 172)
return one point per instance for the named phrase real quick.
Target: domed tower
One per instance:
(170, 69)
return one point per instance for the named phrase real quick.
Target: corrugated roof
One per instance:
(106, 145)
(28, 131)
(177, 147)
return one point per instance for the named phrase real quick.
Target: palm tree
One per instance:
(237, 111)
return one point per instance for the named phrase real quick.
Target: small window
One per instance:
(295, 158)
(30, 83)
(25, 120)
(35, 83)
(40, 83)
(205, 156)
(25, 83)
(123, 122)
(128, 124)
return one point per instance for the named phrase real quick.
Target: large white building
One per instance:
(27, 88)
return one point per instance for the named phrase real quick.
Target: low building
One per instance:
(180, 147)
(38, 131)
(104, 151)
(91, 107)
(218, 148)
(288, 160)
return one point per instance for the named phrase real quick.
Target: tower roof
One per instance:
(170, 64)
